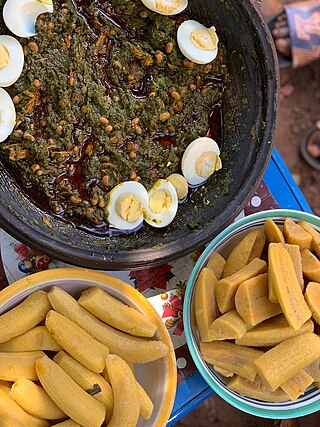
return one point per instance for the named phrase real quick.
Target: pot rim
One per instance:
(146, 257)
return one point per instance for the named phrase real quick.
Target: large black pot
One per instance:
(249, 116)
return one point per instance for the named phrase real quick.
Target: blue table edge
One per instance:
(194, 390)
(288, 195)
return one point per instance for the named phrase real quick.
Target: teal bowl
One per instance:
(223, 243)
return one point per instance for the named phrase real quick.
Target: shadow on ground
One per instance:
(215, 412)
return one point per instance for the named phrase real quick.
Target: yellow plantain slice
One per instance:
(37, 338)
(312, 296)
(252, 302)
(12, 415)
(256, 390)
(315, 244)
(296, 235)
(216, 263)
(126, 394)
(286, 285)
(231, 357)
(249, 248)
(34, 400)
(226, 288)
(223, 372)
(68, 395)
(115, 313)
(86, 379)
(19, 365)
(77, 342)
(24, 316)
(297, 385)
(146, 404)
(310, 266)
(294, 252)
(206, 309)
(273, 232)
(228, 327)
(131, 348)
(286, 359)
(272, 332)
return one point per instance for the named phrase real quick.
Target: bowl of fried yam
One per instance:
(82, 348)
(252, 314)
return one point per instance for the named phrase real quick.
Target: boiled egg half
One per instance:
(180, 184)
(11, 60)
(200, 160)
(197, 43)
(166, 7)
(163, 204)
(20, 16)
(126, 206)
(7, 115)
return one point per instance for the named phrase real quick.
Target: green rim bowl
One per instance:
(224, 243)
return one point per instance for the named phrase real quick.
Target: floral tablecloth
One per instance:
(164, 286)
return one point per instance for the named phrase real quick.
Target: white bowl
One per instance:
(159, 378)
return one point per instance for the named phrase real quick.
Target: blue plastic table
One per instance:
(193, 391)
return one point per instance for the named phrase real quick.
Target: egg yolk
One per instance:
(159, 201)
(4, 56)
(128, 207)
(218, 164)
(205, 39)
(207, 163)
(47, 2)
(180, 184)
(168, 6)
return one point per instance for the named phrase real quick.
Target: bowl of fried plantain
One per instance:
(83, 348)
(252, 313)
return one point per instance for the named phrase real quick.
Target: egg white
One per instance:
(7, 115)
(20, 16)
(13, 70)
(132, 187)
(166, 217)
(151, 4)
(188, 48)
(192, 153)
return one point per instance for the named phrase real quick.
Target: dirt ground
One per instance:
(299, 109)
(215, 412)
